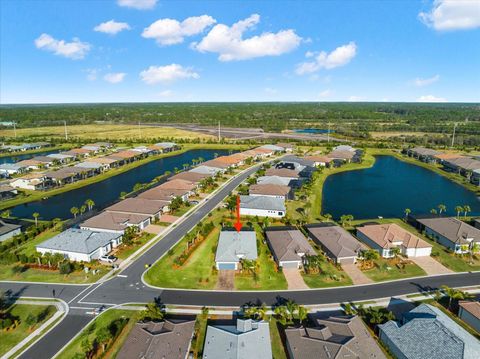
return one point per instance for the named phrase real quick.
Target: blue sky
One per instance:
(147, 50)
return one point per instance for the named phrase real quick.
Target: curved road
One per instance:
(129, 288)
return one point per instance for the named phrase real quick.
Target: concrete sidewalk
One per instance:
(62, 308)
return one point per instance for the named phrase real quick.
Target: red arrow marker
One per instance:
(238, 224)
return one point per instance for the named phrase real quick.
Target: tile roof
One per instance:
(387, 235)
(60, 156)
(137, 205)
(452, 229)
(248, 339)
(262, 202)
(422, 151)
(233, 245)
(269, 189)
(337, 240)
(288, 243)
(162, 194)
(216, 163)
(178, 184)
(274, 180)
(189, 176)
(79, 241)
(426, 332)
(89, 165)
(158, 340)
(103, 160)
(203, 169)
(472, 307)
(114, 221)
(333, 337)
(282, 172)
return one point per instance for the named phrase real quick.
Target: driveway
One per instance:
(430, 265)
(154, 229)
(294, 278)
(356, 274)
(226, 280)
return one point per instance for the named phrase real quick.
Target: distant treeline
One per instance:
(351, 119)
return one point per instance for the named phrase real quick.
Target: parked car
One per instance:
(98, 310)
(108, 258)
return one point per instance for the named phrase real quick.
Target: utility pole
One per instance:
(139, 130)
(453, 136)
(66, 133)
(328, 133)
(14, 129)
(219, 131)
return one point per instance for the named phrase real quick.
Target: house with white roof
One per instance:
(8, 169)
(81, 244)
(262, 206)
(234, 246)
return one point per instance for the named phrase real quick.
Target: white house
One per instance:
(115, 222)
(385, 237)
(234, 246)
(81, 244)
(8, 169)
(8, 230)
(32, 181)
(262, 206)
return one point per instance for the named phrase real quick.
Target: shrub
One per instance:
(65, 268)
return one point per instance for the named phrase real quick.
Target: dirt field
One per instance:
(395, 134)
(105, 132)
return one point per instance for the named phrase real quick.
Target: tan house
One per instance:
(141, 206)
(270, 190)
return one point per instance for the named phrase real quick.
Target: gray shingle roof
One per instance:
(262, 202)
(427, 333)
(247, 340)
(453, 229)
(288, 244)
(233, 245)
(281, 181)
(79, 241)
(7, 227)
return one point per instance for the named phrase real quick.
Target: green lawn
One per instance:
(329, 276)
(199, 335)
(102, 321)
(197, 272)
(278, 349)
(12, 337)
(28, 247)
(385, 269)
(267, 278)
(125, 251)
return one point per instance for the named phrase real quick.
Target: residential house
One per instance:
(180, 184)
(337, 243)
(271, 190)
(338, 336)
(81, 244)
(116, 222)
(423, 154)
(283, 172)
(427, 332)
(167, 146)
(247, 339)
(61, 158)
(141, 206)
(340, 157)
(469, 312)
(319, 160)
(147, 151)
(64, 175)
(9, 169)
(168, 339)
(190, 176)
(165, 194)
(216, 163)
(234, 246)
(295, 162)
(289, 246)
(31, 164)
(229, 161)
(384, 237)
(276, 180)
(79, 152)
(107, 162)
(31, 181)
(475, 178)
(94, 167)
(211, 171)
(287, 147)
(273, 148)
(442, 157)
(104, 145)
(7, 191)
(126, 156)
(8, 230)
(477, 223)
(47, 161)
(93, 148)
(451, 233)
(262, 206)
(464, 166)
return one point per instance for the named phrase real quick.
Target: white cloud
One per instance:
(451, 15)
(138, 4)
(170, 31)
(167, 74)
(166, 93)
(111, 27)
(356, 98)
(228, 41)
(419, 82)
(270, 90)
(91, 74)
(431, 98)
(339, 57)
(325, 94)
(114, 77)
(75, 50)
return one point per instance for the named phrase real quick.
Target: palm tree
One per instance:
(89, 202)
(433, 211)
(74, 211)
(376, 317)
(83, 208)
(442, 208)
(328, 217)
(201, 159)
(395, 251)
(103, 335)
(185, 166)
(6, 213)
(282, 315)
(466, 209)
(35, 216)
(302, 313)
(407, 212)
(458, 209)
(453, 294)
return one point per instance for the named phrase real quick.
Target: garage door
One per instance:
(226, 266)
(289, 264)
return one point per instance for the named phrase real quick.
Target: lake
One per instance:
(314, 130)
(389, 187)
(24, 156)
(105, 192)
